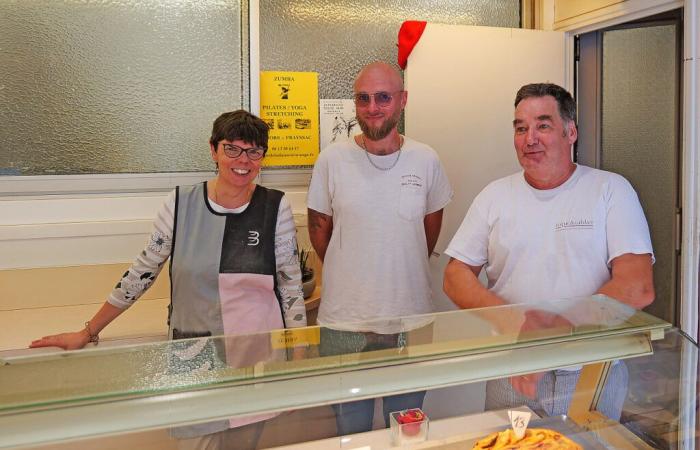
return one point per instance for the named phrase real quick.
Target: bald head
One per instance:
(381, 73)
(378, 117)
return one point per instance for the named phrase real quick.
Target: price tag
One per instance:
(293, 337)
(519, 421)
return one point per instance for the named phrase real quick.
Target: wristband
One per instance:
(95, 338)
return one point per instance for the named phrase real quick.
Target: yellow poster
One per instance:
(289, 105)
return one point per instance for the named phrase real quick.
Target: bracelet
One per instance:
(95, 338)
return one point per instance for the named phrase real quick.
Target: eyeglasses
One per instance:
(234, 151)
(381, 99)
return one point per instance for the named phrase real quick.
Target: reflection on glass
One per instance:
(191, 363)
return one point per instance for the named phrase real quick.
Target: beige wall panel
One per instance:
(19, 327)
(148, 440)
(461, 83)
(70, 251)
(65, 286)
(566, 9)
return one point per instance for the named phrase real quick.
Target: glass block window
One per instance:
(336, 38)
(117, 86)
(132, 86)
(640, 135)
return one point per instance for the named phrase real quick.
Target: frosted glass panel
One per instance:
(116, 86)
(336, 38)
(640, 134)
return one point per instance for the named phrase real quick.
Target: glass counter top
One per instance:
(96, 374)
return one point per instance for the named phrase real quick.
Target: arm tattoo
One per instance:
(317, 220)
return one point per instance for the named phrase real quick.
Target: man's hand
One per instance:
(527, 384)
(536, 320)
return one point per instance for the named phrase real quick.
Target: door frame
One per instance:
(628, 11)
(588, 148)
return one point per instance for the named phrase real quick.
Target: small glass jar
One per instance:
(403, 432)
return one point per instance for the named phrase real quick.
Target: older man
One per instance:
(375, 211)
(556, 230)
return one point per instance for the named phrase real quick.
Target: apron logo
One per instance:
(253, 238)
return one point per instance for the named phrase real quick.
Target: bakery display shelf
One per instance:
(100, 392)
(561, 424)
(462, 432)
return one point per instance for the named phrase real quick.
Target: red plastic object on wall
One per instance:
(409, 35)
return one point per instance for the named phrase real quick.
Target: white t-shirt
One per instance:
(551, 244)
(376, 264)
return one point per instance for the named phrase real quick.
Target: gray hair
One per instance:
(566, 103)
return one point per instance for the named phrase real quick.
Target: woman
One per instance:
(233, 265)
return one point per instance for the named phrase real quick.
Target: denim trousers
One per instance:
(241, 438)
(357, 416)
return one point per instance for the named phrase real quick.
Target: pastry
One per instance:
(535, 438)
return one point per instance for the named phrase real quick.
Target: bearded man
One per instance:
(375, 212)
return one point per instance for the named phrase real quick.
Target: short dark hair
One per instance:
(565, 102)
(239, 125)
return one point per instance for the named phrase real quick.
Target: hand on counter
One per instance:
(527, 384)
(537, 321)
(66, 341)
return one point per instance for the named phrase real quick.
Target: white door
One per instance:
(461, 83)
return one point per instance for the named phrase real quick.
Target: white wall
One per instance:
(66, 230)
(475, 72)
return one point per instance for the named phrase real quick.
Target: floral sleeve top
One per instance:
(144, 270)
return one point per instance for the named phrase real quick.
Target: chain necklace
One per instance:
(384, 169)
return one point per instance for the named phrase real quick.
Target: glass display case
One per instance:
(57, 397)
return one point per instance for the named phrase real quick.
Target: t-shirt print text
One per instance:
(574, 224)
(411, 180)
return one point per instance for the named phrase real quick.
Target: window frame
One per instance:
(115, 183)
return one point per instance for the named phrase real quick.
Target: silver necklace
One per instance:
(384, 169)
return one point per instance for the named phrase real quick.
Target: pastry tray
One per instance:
(562, 424)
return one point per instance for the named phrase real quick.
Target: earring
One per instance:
(216, 171)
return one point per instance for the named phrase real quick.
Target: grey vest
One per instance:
(206, 244)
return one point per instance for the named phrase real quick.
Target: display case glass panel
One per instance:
(107, 391)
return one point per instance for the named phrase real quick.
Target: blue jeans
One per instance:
(241, 438)
(357, 417)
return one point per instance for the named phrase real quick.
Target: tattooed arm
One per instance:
(320, 230)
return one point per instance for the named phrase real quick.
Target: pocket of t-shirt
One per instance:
(411, 203)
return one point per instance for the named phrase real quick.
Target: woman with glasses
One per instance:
(233, 270)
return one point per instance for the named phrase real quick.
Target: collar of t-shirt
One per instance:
(544, 194)
(221, 210)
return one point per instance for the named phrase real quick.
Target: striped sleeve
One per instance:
(288, 271)
(144, 270)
